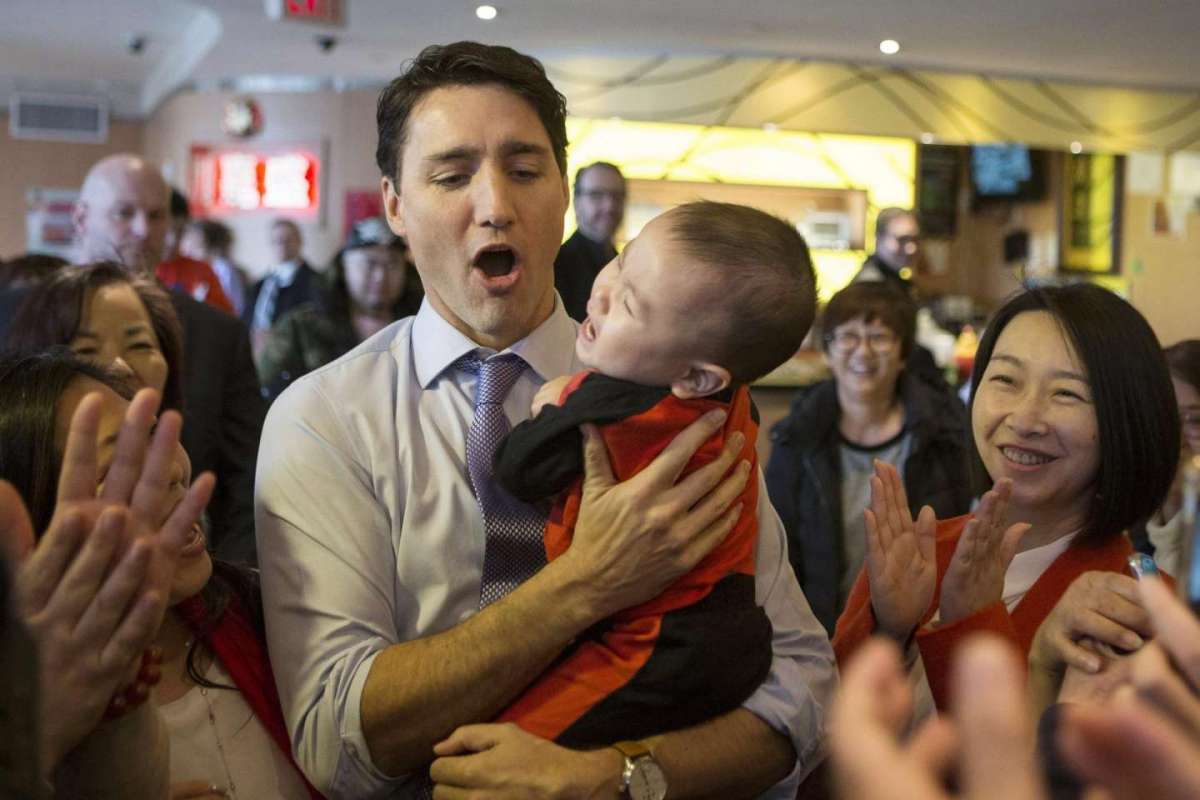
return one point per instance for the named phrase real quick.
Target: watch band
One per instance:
(640, 761)
(632, 749)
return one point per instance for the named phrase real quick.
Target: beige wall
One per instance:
(1162, 272)
(339, 125)
(25, 164)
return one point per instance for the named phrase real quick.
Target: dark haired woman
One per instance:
(823, 453)
(372, 284)
(1076, 432)
(216, 693)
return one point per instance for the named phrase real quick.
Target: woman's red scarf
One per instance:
(234, 641)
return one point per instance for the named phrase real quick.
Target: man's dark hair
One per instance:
(886, 216)
(217, 236)
(871, 301)
(1183, 359)
(50, 315)
(764, 292)
(595, 165)
(466, 64)
(1136, 415)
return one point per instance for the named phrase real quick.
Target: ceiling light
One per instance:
(770, 127)
(926, 138)
(486, 12)
(889, 47)
(1076, 148)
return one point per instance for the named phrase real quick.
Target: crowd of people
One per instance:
(474, 512)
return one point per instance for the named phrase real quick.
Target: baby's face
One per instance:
(647, 315)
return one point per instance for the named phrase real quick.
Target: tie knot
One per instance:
(496, 375)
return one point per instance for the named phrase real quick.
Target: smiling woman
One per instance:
(1076, 437)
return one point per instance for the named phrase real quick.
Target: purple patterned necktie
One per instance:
(514, 548)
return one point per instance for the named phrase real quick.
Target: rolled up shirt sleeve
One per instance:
(328, 575)
(794, 698)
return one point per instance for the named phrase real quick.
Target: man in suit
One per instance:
(122, 215)
(290, 283)
(599, 211)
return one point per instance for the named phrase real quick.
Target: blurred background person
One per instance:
(179, 271)
(372, 284)
(26, 270)
(599, 210)
(897, 244)
(122, 210)
(1164, 535)
(289, 283)
(212, 241)
(823, 454)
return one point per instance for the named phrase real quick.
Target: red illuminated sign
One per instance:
(323, 12)
(227, 181)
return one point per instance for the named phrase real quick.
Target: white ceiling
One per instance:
(81, 45)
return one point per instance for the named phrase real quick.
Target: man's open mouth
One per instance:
(495, 261)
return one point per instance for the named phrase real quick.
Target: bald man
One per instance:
(122, 215)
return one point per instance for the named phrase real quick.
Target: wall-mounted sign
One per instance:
(320, 12)
(227, 181)
(1091, 215)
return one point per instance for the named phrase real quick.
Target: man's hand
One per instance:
(504, 761)
(549, 393)
(634, 538)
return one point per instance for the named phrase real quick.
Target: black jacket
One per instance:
(306, 287)
(804, 478)
(578, 263)
(223, 412)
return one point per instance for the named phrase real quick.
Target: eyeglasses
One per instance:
(843, 342)
(596, 195)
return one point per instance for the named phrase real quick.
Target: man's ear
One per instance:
(393, 207)
(701, 380)
(78, 214)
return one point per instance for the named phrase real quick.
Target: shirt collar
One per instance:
(285, 273)
(437, 344)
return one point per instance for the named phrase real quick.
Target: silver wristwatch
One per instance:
(642, 778)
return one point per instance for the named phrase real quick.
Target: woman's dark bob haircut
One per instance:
(30, 387)
(53, 311)
(1136, 415)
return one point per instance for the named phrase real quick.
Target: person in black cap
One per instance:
(372, 284)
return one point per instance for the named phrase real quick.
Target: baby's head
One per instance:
(708, 295)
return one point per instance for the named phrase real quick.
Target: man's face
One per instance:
(899, 244)
(600, 203)
(124, 218)
(285, 242)
(480, 200)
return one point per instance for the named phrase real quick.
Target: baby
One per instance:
(709, 297)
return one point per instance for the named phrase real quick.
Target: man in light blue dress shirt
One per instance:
(371, 541)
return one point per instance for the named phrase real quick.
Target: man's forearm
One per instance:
(734, 755)
(418, 692)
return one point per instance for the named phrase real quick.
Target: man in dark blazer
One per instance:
(599, 211)
(122, 216)
(291, 282)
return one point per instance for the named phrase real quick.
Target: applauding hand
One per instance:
(975, 577)
(901, 567)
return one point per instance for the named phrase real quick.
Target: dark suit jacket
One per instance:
(578, 263)
(223, 412)
(306, 288)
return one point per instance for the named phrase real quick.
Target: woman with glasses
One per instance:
(1165, 528)
(824, 452)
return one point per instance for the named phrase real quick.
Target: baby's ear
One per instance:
(701, 380)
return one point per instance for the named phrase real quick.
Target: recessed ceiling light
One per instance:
(770, 127)
(926, 138)
(486, 12)
(1076, 148)
(889, 47)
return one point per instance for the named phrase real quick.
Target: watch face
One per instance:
(647, 782)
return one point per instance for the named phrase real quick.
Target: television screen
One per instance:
(1006, 172)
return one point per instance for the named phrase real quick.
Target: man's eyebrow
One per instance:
(515, 147)
(462, 153)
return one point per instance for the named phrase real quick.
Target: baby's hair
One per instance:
(764, 290)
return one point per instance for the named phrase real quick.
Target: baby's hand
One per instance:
(549, 393)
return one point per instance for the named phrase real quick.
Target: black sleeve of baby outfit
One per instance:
(542, 456)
